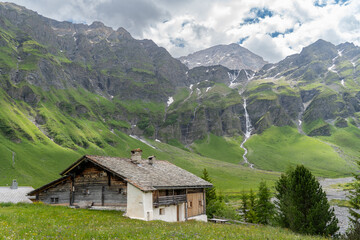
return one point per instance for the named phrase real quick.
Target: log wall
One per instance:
(59, 194)
(89, 184)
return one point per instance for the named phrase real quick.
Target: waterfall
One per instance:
(233, 76)
(248, 130)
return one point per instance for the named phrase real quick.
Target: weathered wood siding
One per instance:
(93, 184)
(195, 204)
(60, 191)
(88, 183)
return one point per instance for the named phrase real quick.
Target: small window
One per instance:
(122, 191)
(200, 202)
(86, 192)
(161, 211)
(190, 204)
(54, 200)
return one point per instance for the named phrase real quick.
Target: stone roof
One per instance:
(8, 195)
(146, 176)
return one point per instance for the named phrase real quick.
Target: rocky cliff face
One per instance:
(94, 57)
(106, 76)
(232, 56)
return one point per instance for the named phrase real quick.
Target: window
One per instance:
(161, 211)
(54, 200)
(190, 204)
(200, 202)
(122, 191)
(86, 191)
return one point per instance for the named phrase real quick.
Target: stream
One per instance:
(248, 130)
(341, 213)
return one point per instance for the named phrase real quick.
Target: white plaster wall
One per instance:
(170, 213)
(202, 218)
(148, 206)
(135, 204)
(182, 212)
(169, 216)
(140, 206)
(139, 203)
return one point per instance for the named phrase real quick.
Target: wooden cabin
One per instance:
(145, 189)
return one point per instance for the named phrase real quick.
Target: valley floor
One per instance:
(37, 221)
(334, 188)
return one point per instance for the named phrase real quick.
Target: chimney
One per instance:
(136, 155)
(151, 159)
(14, 184)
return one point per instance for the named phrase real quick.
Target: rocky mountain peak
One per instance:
(123, 33)
(97, 24)
(321, 50)
(232, 56)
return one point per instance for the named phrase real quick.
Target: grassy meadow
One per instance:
(37, 221)
(279, 148)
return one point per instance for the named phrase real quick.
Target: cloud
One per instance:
(272, 29)
(265, 46)
(133, 15)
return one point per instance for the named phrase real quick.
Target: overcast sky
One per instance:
(272, 29)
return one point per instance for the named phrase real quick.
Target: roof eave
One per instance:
(182, 187)
(49, 185)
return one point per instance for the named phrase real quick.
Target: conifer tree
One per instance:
(302, 204)
(210, 192)
(251, 215)
(244, 205)
(354, 210)
(354, 200)
(215, 204)
(264, 208)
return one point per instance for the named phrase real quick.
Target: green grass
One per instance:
(229, 178)
(308, 127)
(279, 148)
(138, 70)
(220, 148)
(37, 221)
(340, 203)
(348, 139)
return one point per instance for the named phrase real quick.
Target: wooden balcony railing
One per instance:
(169, 200)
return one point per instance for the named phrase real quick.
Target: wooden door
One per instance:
(195, 204)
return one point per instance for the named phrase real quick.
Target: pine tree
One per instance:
(302, 204)
(244, 205)
(210, 192)
(252, 199)
(354, 200)
(251, 215)
(215, 204)
(264, 208)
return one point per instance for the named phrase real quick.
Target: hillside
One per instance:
(72, 89)
(18, 222)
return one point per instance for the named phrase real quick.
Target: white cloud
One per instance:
(183, 27)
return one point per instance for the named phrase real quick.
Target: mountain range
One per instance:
(70, 89)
